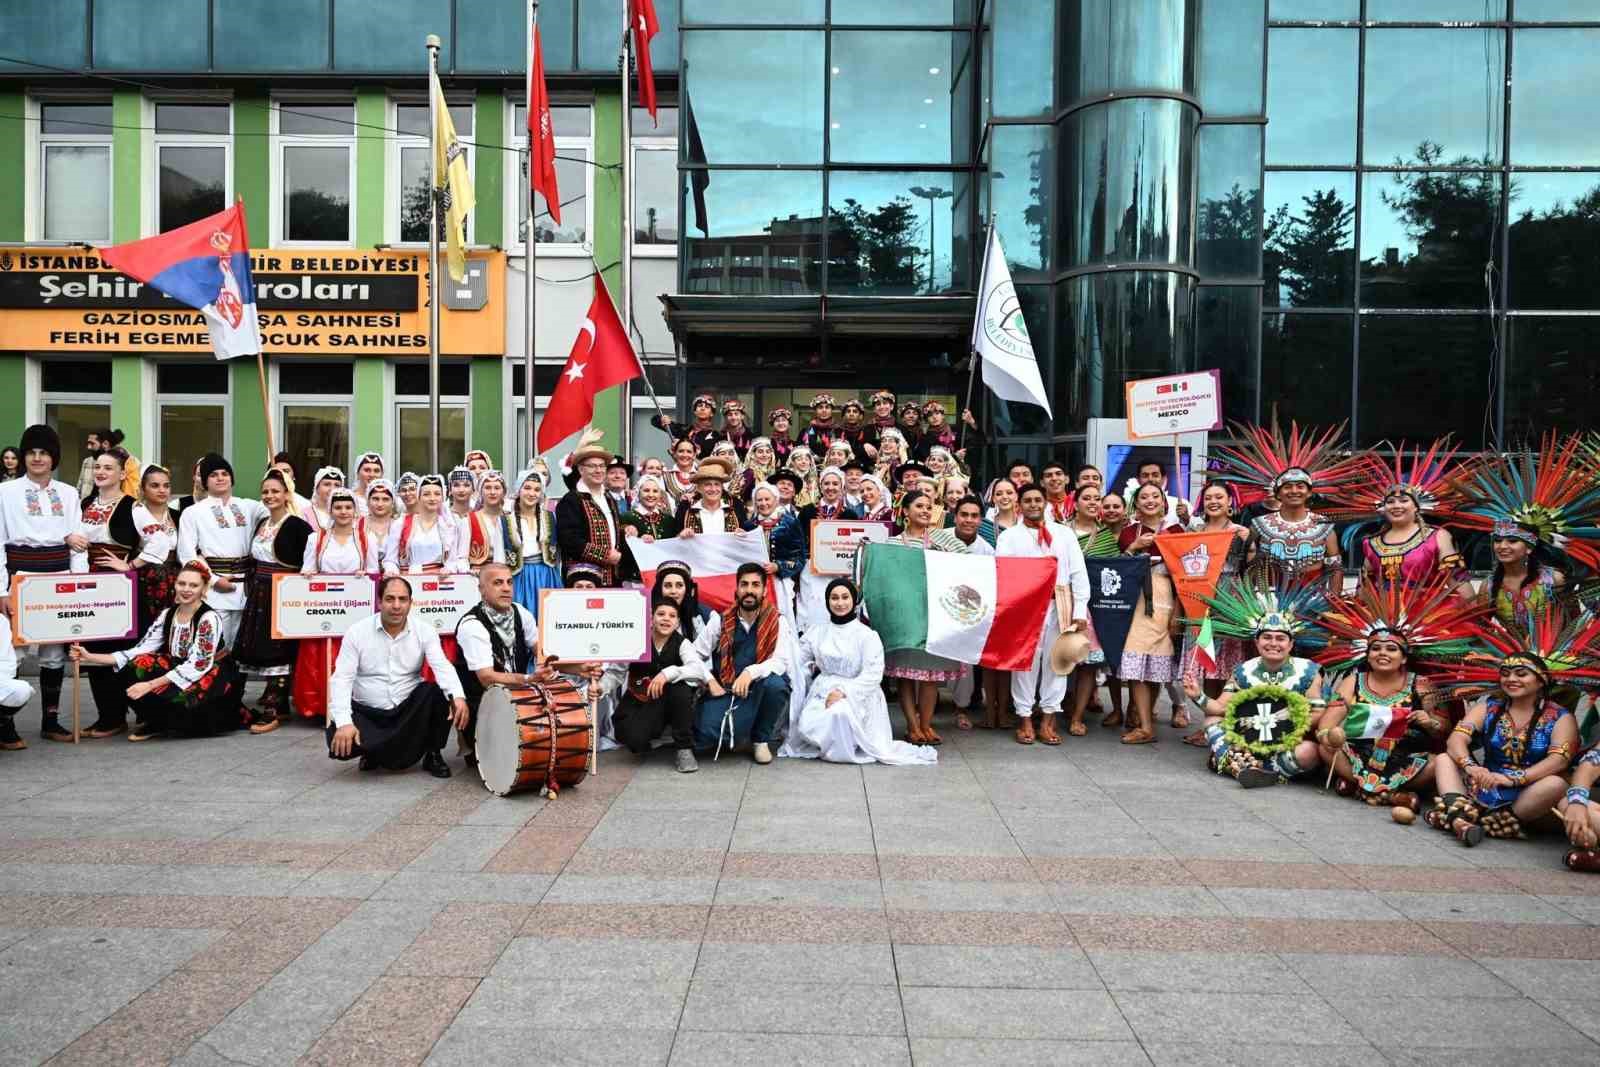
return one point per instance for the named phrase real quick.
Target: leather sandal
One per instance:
(1138, 737)
(1110, 719)
(1025, 733)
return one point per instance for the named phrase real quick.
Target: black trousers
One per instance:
(397, 738)
(637, 723)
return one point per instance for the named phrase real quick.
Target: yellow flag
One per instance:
(453, 185)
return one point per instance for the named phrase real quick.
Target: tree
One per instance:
(1310, 255)
(1227, 231)
(1451, 217)
(875, 251)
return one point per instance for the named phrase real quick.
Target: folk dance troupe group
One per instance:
(1418, 688)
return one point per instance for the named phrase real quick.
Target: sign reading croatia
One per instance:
(320, 605)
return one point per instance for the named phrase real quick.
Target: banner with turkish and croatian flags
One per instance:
(713, 559)
(205, 265)
(987, 610)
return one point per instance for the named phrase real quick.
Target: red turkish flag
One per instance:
(645, 27)
(601, 358)
(541, 136)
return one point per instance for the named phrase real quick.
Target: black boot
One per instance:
(10, 740)
(50, 697)
(434, 764)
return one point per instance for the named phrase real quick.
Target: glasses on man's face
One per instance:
(593, 468)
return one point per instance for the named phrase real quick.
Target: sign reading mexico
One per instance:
(441, 599)
(56, 609)
(1178, 403)
(335, 302)
(594, 625)
(320, 605)
(834, 543)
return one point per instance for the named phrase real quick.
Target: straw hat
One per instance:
(590, 447)
(713, 469)
(1068, 651)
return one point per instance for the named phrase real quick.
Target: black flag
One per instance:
(1114, 586)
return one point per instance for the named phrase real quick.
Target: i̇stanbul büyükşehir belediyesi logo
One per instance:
(1003, 323)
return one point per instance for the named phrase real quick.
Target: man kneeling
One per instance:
(379, 708)
(661, 691)
(748, 691)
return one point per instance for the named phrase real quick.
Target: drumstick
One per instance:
(594, 732)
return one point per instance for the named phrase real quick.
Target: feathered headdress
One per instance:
(1552, 496)
(1240, 609)
(1429, 478)
(1561, 649)
(1267, 459)
(1427, 619)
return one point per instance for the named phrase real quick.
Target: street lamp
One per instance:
(931, 196)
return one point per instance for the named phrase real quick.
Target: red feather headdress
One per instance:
(1433, 624)
(1267, 458)
(1562, 649)
(1553, 495)
(1430, 478)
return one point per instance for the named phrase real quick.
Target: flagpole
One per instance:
(627, 225)
(639, 359)
(433, 253)
(972, 349)
(530, 392)
(266, 403)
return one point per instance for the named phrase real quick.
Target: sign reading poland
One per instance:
(1178, 403)
(56, 609)
(835, 542)
(441, 599)
(594, 625)
(320, 605)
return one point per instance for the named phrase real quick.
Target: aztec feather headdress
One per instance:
(1266, 459)
(1241, 609)
(1561, 649)
(1427, 619)
(1430, 478)
(1551, 497)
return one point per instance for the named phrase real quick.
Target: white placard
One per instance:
(320, 605)
(441, 599)
(594, 625)
(1178, 403)
(58, 609)
(835, 542)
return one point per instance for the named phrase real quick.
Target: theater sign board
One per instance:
(333, 302)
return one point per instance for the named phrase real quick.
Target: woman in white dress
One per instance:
(425, 541)
(845, 718)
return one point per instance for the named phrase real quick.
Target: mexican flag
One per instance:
(1205, 645)
(986, 610)
(1366, 722)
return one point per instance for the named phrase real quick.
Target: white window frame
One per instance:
(225, 400)
(517, 140)
(282, 141)
(43, 142)
(152, 213)
(397, 141)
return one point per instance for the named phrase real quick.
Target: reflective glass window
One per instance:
(1119, 326)
(139, 35)
(1022, 173)
(189, 431)
(412, 422)
(414, 198)
(44, 32)
(1228, 338)
(77, 192)
(191, 378)
(1232, 43)
(387, 34)
(1308, 254)
(1557, 81)
(1311, 96)
(572, 179)
(730, 75)
(1015, 420)
(1557, 11)
(891, 96)
(1554, 258)
(555, 34)
(1425, 237)
(564, 121)
(1228, 217)
(1022, 70)
(1443, 359)
(764, 233)
(91, 119)
(1435, 88)
(1117, 45)
(599, 36)
(1552, 376)
(655, 196)
(316, 193)
(1305, 367)
(489, 35)
(328, 120)
(193, 183)
(892, 232)
(196, 119)
(75, 376)
(1431, 10)
(665, 125)
(285, 35)
(744, 13)
(902, 12)
(1127, 175)
(1315, 9)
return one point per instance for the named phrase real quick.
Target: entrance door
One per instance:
(316, 435)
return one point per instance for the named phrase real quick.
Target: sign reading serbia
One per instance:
(1178, 403)
(56, 609)
(594, 625)
(835, 542)
(320, 605)
(441, 599)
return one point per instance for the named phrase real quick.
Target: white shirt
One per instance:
(1071, 572)
(690, 669)
(477, 651)
(157, 540)
(337, 558)
(194, 647)
(426, 546)
(705, 646)
(492, 535)
(36, 515)
(221, 529)
(381, 671)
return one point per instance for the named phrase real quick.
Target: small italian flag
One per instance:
(987, 610)
(1205, 646)
(1366, 722)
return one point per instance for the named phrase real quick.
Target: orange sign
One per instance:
(1195, 561)
(313, 302)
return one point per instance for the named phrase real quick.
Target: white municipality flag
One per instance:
(1000, 336)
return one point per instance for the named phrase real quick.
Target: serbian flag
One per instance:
(205, 265)
(645, 26)
(713, 559)
(601, 358)
(1367, 722)
(987, 610)
(1195, 561)
(541, 135)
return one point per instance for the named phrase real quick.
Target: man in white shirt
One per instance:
(39, 518)
(498, 646)
(588, 523)
(963, 537)
(379, 708)
(1151, 472)
(748, 685)
(218, 529)
(1035, 536)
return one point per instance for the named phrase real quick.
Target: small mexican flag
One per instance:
(987, 610)
(1205, 646)
(1369, 721)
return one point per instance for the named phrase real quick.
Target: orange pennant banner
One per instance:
(1195, 561)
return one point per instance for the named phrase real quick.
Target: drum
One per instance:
(539, 737)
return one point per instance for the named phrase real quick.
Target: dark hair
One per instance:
(660, 600)
(1142, 488)
(689, 610)
(749, 568)
(1029, 487)
(1012, 465)
(283, 457)
(1498, 575)
(1052, 465)
(116, 453)
(1156, 463)
(112, 438)
(1109, 493)
(383, 586)
(969, 499)
(153, 468)
(1084, 467)
(273, 474)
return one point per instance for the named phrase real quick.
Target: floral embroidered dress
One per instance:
(197, 689)
(1390, 762)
